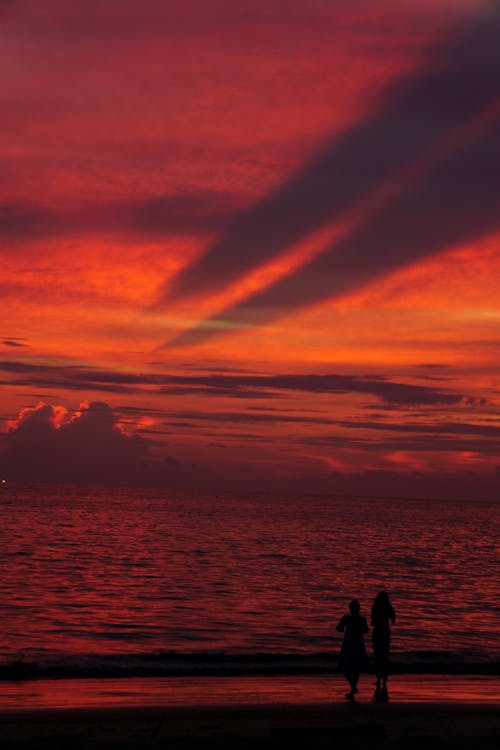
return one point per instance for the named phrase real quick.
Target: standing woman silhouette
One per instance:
(353, 657)
(383, 615)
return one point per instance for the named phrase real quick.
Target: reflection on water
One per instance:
(115, 572)
(214, 691)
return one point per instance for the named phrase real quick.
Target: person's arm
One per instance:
(365, 626)
(340, 627)
(393, 615)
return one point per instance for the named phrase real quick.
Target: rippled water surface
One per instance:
(98, 573)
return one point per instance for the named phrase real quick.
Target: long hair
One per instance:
(354, 609)
(382, 607)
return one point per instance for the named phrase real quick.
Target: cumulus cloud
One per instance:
(50, 443)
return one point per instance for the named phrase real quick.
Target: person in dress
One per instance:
(383, 615)
(353, 657)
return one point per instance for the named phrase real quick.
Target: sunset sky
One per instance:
(251, 244)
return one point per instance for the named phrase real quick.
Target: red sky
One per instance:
(251, 245)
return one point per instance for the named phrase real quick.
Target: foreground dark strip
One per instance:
(434, 725)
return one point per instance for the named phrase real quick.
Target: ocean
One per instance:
(132, 582)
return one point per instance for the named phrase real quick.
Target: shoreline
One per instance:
(174, 664)
(239, 692)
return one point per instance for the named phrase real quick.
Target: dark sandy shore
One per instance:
(368, 725)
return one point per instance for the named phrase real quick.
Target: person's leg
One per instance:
(384, 692)
(352, 679)
(378, 672)
(385, 671)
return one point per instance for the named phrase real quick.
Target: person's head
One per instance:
(354, 607)
(382, 599)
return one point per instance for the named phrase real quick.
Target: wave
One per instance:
(176, 664)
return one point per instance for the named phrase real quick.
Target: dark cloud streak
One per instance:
(423, 431)
(225, 385)
(417, 443)
(459, 79)
(12, 343)
(454, 201)
(151, 217)
(389, 391)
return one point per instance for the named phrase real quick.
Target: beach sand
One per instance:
(276, 712)
(409, 725)
(281, 712)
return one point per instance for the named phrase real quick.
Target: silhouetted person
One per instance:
(383, 615)
(353, 657)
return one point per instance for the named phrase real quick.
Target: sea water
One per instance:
(128, 581)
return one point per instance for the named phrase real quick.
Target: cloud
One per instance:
(152, 217)
(49, 443)
(230, 392)
(27, 221)
(417, 443)
(388, 391)
(13, 342)
(238, 386)
(422, 140)
(240, 417)
(456, 203)
(434, 428)
(183, 213)
(422, 435)
(71, 378)
(89, 445)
